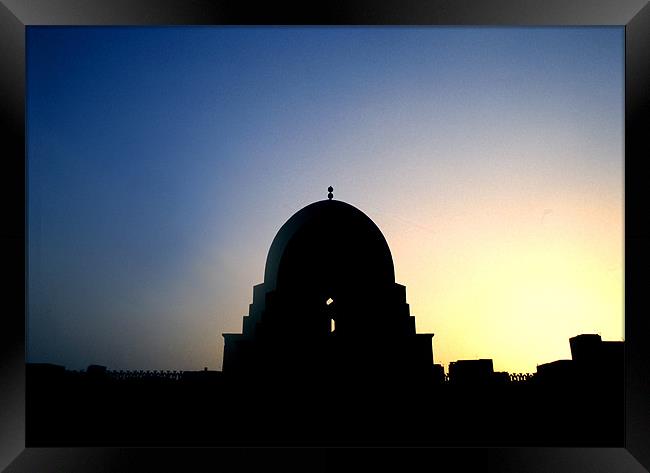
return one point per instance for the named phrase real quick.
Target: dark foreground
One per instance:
(72, 409)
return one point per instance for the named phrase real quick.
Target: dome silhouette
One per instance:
(329, 243)
(329, 303)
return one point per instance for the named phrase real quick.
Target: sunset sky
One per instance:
(162, 161)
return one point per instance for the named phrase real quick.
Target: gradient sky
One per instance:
(162, 161)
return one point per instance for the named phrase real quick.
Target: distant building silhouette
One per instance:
(329, 305)
(471, 371)
(438, 374)
(96, 371)
(561, 372)
(592, 361)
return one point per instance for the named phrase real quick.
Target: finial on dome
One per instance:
(330, 189)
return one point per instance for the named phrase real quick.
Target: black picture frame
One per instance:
(15, 15)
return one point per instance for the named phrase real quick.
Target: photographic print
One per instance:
(325, 236)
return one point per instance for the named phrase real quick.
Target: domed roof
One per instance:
(329, 242)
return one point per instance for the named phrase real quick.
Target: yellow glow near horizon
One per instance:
(515, 285)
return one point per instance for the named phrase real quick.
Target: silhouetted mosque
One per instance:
(329, 354)
(329, 305)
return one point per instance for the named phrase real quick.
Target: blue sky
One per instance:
(161, 162)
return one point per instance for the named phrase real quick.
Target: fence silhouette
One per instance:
(173, 375)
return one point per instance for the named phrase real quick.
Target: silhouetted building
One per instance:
(44, 372)
(590, 349)
(329, 305)
(96, 371)
(596, 360)
(501, 377)
(471, 371)
(592, 361)
(438, 374)
(585, 348)
(559, 372)
(204, 376)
